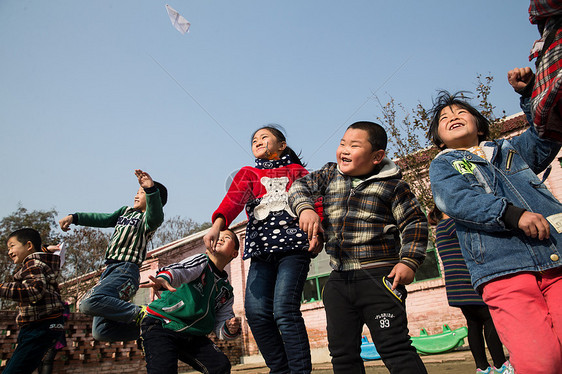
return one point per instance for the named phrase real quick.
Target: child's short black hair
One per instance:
(235, 238)
(445, 99)
(28, 235)
(377, 134)
(277, 131)
(163, 192)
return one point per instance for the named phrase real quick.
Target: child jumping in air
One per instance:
(36, 290)
(197, 299)
(508, 224)
(376, 236)
(280, 252)
(108, 301)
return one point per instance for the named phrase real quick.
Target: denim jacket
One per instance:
(476, 192)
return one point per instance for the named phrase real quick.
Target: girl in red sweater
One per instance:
(279, 251)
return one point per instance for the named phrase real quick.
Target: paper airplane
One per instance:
(180, 23)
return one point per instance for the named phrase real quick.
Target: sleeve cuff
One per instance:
(527, 91)
(511, 216)
(411, 263)
(150, 190)
(167, 276)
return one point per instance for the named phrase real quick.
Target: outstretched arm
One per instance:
(157, 285)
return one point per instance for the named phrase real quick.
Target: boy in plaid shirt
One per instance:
(36, 290)
(376, 235)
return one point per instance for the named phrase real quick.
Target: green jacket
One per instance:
(202, 301)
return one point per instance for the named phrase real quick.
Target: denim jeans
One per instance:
(34, 340)
(273, 300)
(164, 347)
(358, 297)
(108, 302)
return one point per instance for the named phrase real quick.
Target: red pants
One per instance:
(527, 312)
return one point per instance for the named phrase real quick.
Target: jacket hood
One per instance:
(50, 259)
(388, 169)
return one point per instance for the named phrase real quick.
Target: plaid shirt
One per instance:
(547, 90)
(36, 289)
(377, 223)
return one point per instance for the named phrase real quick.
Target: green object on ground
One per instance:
(439, 343)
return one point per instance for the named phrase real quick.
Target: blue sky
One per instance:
(89, 91)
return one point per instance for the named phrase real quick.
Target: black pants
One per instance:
(354, 298)
(478, 318)
(164, 347)
(34, 340)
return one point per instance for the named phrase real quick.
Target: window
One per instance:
(317, 276)
(320, 270)
(430, 267)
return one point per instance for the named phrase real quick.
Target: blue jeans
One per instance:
(273, 300)
(34, 339)
(108, 302)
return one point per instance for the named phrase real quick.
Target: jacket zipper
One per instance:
(206, 311)
(351, 193)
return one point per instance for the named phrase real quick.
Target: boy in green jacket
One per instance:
(197, 299)
(108, 301)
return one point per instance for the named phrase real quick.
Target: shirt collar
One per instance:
(273, 164)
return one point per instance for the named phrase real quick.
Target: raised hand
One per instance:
(145, 180)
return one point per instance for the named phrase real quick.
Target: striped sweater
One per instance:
(457, 278)
(133, 228)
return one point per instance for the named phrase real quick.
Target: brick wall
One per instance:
(84, 355)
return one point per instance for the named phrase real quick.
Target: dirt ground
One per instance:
(458, 362)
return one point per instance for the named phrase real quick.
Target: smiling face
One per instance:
(457, 128)
(266, 146)
(140, 200)
(19, 251)
(355, 155)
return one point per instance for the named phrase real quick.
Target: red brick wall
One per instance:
(84, 355)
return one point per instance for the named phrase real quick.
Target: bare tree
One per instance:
(175, 228)
(409, 144)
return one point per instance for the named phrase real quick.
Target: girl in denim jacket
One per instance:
(509, 225)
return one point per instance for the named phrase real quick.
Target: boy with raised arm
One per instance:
(108, 301)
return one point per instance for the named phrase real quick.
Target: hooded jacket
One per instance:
(378, 222)
(35, 288)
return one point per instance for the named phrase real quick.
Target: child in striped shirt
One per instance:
(108, 301)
